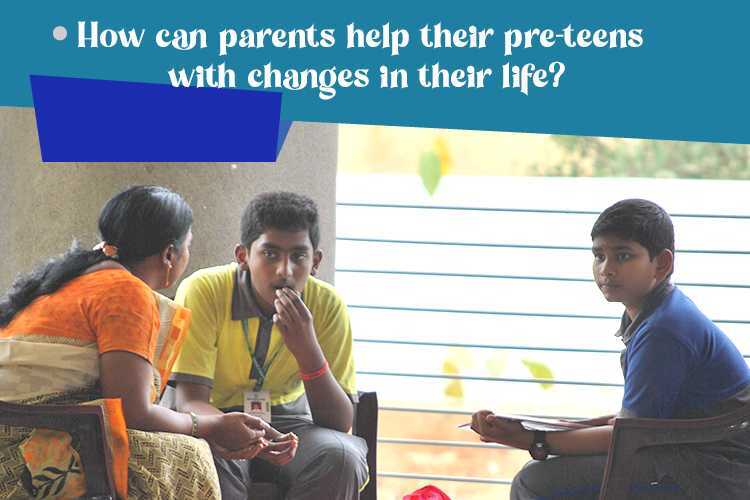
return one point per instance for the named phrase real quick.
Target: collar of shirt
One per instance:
(650, 303)
(244, 305)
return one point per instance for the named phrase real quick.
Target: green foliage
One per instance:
(606, 157)
(435, 164)
(539, 371)
(429, 171)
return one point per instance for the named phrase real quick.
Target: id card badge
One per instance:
(258, 404)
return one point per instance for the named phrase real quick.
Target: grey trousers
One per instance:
(328, 465)
(580, 477)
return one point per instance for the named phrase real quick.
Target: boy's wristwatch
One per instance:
(539, 449)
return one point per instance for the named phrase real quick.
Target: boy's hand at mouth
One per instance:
(295, 323)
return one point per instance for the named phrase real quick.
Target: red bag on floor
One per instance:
(429, 492)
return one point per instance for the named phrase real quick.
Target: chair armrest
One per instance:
(365, 425)
(87, 421)
(631, 434)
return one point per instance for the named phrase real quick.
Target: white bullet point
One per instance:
(59, 33)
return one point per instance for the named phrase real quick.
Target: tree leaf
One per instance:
(455, 389)
(429, 171)
(539, 371)
(450, 368)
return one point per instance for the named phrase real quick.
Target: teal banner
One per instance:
(652, 70)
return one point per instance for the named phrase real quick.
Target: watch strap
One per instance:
(539, 449)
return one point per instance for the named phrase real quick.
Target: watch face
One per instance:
(539, 451)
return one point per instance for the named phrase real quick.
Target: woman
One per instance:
(87, 325)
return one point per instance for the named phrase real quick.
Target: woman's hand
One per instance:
(492, 429)
(232, 431)
(281, 450)
(243, 454)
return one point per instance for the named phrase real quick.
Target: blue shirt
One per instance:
(678, 362)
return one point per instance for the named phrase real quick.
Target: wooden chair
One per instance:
(632, 434)
(87, 422)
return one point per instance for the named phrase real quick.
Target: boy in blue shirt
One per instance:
(676, 364)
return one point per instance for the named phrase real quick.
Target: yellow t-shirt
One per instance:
(216, 352)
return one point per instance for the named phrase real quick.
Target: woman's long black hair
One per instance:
(141, 221)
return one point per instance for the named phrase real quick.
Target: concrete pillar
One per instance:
(43, 207)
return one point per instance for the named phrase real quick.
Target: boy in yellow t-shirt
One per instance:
(269, 339)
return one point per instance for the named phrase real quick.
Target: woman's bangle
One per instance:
(194, 420)
(316, 374)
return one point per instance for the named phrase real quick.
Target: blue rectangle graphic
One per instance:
(84, 120)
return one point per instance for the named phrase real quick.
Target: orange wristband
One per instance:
(316, 374)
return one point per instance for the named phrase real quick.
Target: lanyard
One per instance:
(262, 372)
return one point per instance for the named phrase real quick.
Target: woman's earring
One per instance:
(166, 278)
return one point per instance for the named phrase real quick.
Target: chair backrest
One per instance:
(366, 427)
(631, 434)
(87, 422)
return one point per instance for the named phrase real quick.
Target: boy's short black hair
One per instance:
(637, 220)
(280, 210)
